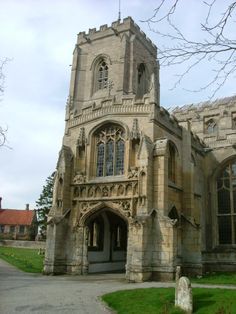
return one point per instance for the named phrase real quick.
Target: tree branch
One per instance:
(215, 46)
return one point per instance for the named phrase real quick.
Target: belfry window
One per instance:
(142, 84)
(102, 75)
(226, 196)
(110, 151)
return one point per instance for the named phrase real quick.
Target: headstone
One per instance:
(177, 276)
(184, 298)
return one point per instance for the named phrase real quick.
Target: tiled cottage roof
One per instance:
(16, 217)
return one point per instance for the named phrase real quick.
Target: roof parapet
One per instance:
(127, 24)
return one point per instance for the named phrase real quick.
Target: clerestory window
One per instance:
(110, 151)
(226, 197)
(211, 126)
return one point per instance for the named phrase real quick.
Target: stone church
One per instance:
(139, 189)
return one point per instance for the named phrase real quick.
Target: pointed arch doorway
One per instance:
(106, 242)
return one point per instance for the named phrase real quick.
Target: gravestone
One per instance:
(177, 276)
(184, 298)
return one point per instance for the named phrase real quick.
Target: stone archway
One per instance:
(106, 242)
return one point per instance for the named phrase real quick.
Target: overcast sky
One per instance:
(39, 37)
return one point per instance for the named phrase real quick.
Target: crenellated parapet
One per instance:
(213, 122)
(117, 28)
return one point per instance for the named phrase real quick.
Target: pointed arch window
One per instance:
(102, 75)
(110, 151)
(226, 199)
(142, 80)
(172, 163)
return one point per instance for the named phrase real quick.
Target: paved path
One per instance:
(30, 293)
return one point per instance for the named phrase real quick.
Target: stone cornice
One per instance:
(110, 110)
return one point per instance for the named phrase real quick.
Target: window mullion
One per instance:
(105, 156)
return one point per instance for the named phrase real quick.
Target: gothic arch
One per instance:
(170, 142)
(98, 58)
(228, 156)
(107, 144)
(105, 238)
(223, 199)
(103, 206)
(100, 73)
(103, 124)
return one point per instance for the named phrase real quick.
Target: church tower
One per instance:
(113, 205)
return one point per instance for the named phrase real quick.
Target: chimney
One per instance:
(0, 202)
(27, 206)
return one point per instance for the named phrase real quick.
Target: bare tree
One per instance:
(3, 131)
(217, 44)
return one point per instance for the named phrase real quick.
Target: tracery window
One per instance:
(102, 75)
(172, 162)
(110, 151)
(226, 197)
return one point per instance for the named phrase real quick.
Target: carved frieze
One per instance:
(104, 190)
(122, 195)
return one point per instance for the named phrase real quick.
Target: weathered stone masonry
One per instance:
(135, 186)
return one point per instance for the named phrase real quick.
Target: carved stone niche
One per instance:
(81, 139)
(120, 190)
(105, 191)
(135, 133)
(91, 191)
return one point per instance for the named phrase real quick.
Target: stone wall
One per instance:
(23, 244)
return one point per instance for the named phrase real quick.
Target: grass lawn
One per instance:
(27, 260)
(217, 279)
(161, 301)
